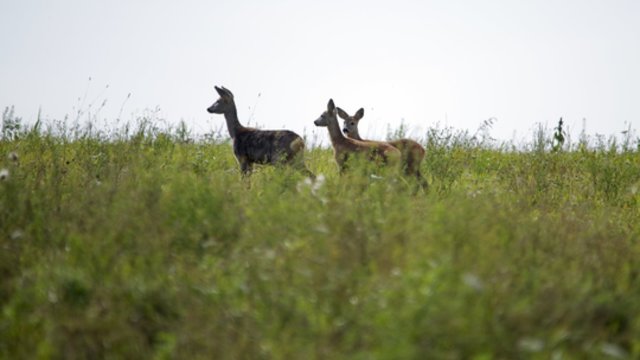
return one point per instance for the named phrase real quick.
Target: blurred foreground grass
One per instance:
(151, 246)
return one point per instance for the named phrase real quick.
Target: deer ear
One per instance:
(359, 114)
(229, 93)
(220, 91)
(331, 107)
(343, 114)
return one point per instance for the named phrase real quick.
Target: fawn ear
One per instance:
(331, 107)
(343, 114)
(359, 114)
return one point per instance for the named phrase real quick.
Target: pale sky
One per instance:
(453, 62)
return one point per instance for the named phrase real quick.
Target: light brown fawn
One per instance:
(344, 147)
(253, 146)
(412, 152)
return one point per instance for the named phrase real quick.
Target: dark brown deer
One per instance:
(344, 147)
(412, 152)
(253, 146)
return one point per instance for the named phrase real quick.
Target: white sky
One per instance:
(453, 62)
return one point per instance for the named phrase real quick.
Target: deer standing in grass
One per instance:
(253, 146)
(344, 147)
(412, 152)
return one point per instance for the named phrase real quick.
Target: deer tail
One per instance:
(297, 145)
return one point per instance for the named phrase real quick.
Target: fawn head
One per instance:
(323, 120)
(350, 123)
(224, 103)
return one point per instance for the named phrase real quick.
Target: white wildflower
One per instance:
(614, 351)
(531, 344)
(313, 185)
(53, 298)
(473, 281)
(317, 184)
(4, 175)
(16, 234)
(322, 229)
(13, 156)
(304, 184)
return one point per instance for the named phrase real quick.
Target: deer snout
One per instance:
(320, 122)
(345, 130)
(210, 110)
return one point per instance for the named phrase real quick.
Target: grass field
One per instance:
(145, 244)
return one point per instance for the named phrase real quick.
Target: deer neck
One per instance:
(233, 124)
(355, 134)
(335, 133)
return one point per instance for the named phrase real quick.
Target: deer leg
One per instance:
(341, 160)
(408, 164)
(422, 181)
(302, 168)
(245, 167)
(298, 164)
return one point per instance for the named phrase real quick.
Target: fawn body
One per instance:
(344, 147)
(412, 152)
(253, 146)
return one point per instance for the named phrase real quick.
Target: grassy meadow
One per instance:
(144, 243)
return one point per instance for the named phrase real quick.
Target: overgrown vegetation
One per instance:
(146, 244)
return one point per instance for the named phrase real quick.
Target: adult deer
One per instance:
(253, 146)
(344, 147)
(412, 152)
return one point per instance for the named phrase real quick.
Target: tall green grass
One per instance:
(146, 244)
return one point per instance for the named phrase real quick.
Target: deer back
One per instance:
(373, 150)
(267, 146)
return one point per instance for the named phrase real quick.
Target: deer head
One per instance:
(350, 123)
(224, 103)
(323, 120)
